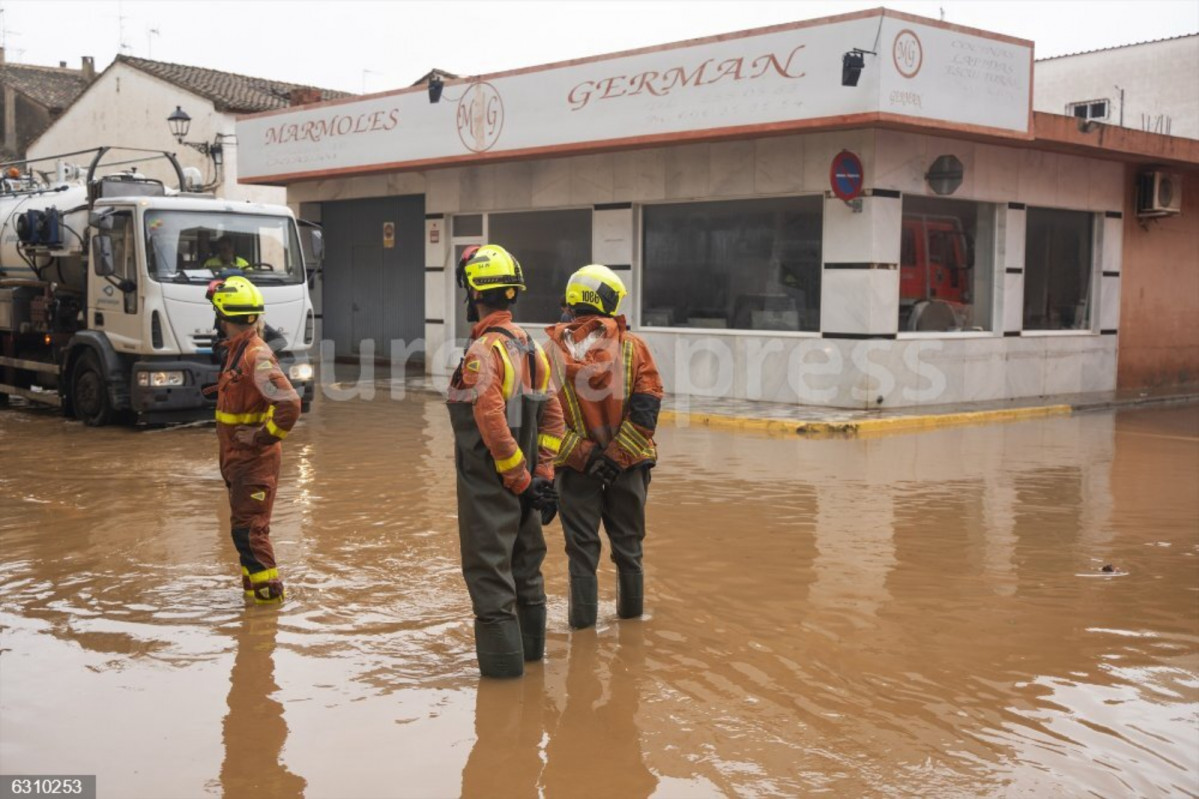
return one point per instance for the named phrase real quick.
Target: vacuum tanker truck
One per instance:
(104, 272)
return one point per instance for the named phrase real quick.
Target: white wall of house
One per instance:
(1157, 79)
(860, 370)
(125, 107)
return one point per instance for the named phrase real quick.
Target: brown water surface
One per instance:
(916, 615)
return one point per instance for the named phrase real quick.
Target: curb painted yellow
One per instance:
(861, 427)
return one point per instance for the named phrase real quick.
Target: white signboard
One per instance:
(775, 79)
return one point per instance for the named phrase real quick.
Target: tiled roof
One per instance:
(1118, 46)
(229, 92)
(52, 87)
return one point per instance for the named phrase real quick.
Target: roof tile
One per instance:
(52, 87)
(229, 92)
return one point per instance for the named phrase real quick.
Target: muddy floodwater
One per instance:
(923, 615)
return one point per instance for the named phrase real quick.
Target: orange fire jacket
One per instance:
(253, 391)
(488, 377)
(610, 396)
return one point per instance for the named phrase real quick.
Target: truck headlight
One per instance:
(300, 372)
(159, 379)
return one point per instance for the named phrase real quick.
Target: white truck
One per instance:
(103, 277)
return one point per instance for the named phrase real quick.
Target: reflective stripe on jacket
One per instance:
(495, 363)
(253, 390)
(610, 395)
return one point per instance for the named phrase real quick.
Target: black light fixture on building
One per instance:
(180, 123)
(435, 86)
(852, 64)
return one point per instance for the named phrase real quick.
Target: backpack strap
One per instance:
(525, 345)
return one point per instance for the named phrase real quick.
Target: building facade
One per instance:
(35, 96)
(794, 225)
(128, 103)
(1148, 86)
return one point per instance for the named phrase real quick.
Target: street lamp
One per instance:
(180, 123)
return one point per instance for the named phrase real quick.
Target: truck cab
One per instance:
(109, 317)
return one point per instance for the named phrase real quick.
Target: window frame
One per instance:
(1072, 109)
(1094, 280)
(466, 239)
(635, 316)
(988, 215)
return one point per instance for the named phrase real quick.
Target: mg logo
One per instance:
(907, 53)
(480, 117)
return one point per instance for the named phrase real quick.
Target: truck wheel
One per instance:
(89, 393)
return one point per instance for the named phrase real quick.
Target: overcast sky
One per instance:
(382, 45)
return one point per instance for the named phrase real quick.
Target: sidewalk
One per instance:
(812, 421)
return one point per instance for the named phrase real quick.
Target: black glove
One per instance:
(541, 492)
(542, 497)
(601, 466)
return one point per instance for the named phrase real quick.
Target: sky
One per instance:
(365, 47)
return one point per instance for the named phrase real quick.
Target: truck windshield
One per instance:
(196, 246)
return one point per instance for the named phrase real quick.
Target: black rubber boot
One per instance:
(532, 630)
(583, 601)
(630, 595)
(498, 648)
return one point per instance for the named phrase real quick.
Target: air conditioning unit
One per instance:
(1159, 193)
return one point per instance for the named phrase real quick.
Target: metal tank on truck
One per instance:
(104, 271)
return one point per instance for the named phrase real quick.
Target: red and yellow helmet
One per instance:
(489, 267)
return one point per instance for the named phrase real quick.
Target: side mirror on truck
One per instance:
(318, 245)
(103, 262)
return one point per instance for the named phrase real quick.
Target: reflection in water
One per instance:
(254, 728)
(531, 740)
(509, 724)
(595, 747)
(917, 615)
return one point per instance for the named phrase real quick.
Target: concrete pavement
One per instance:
(806, 420)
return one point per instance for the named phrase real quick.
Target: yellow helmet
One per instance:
(490, 267)
(236, 296)
(595, 286)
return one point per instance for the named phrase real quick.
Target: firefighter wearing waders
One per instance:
(507, 430)
(256, 407)
(610, 392)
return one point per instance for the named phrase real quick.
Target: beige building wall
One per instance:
(1149, 86)
(1159, 334)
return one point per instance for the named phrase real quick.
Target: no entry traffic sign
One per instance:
(845, 176)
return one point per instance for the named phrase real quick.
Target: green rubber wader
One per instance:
(500, 536)
(630, 595)
(583, 606)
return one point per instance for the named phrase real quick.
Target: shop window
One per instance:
(550, 246)
(946, 265)
(745, 265)
(467, 225)
(1057, 269)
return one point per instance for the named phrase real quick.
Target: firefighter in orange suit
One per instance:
(610, 392)
(507, 430)
(256, 408)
